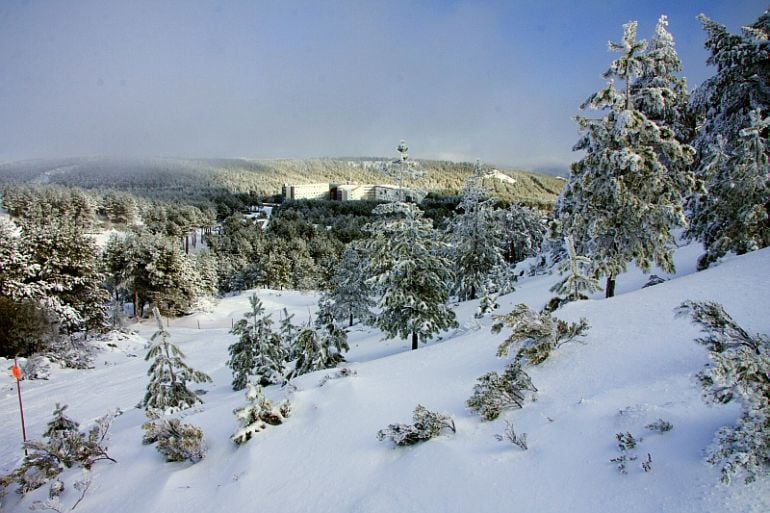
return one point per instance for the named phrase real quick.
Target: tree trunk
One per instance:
(351, 319)
(414, 340)
(136, 304)
(610, 288)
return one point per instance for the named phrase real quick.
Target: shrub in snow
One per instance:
(493, 393)
(536, 334)
(510, 434)
(345, 372)
(427, 425)
(627, 446)
(174, 440)
(36, 367)
(739, 370)
(169, 374)
(66, 447)
(258, 414)
(660, 425)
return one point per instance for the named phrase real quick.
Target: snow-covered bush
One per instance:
(493, 393)
(167, 390)
(578, 280)
(739, 370)
(627, 445)
(427, 425)
(536, 334)
(174, 440)
(66, 447)
(258, 414)
(36, 367)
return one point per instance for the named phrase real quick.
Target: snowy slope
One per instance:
(636, 365)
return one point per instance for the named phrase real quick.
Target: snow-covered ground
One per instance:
(636, 365)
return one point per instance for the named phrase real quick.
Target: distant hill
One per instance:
(171, 178)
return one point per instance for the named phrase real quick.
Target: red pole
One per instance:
(17, 374)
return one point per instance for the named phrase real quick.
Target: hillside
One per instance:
(636, 365)
(187, 177)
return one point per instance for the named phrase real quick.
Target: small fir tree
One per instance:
(350, 294)
(578, 282)
(167, 390)
(321, 347)
(258, 351)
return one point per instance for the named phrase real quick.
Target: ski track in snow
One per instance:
(636, 365)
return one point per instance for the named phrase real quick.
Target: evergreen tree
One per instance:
(522, 233)
(579, 279)
(729, 212)
(658, 92)
(258, 351)
(475, 243)
(167, 390)
(738, 221)
(409, 273)
(625, 194)
(321, 347)
(350, 295)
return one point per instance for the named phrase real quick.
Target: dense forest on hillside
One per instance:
(193, 180)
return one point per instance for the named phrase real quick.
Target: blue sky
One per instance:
(494, 80)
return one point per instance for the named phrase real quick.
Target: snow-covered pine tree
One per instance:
(659, 93)
(578, 280)
(625, 195)
(167, 390)
(522, 232)
(350, 294)
(258, 352)
(475, 236)
(409, 273)
(729, 212)
(321, 347)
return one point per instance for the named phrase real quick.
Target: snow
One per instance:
(636, 365)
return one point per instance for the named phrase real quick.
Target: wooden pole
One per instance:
(17, 374)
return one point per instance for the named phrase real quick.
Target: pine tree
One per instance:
(578, 280)
(624, 196)
(321, 347)
(475, 237)
(522, 233)
(258, 351)
(350, 295)
(659, 93)
(729, 212)
(167, 390)
(409, 273)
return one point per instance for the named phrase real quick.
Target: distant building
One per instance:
(350, 192)
(305, 191)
